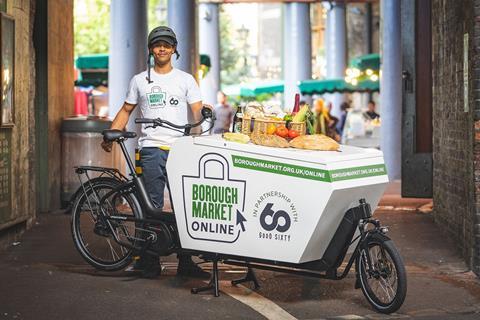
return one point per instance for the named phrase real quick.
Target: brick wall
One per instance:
(454, 189)
(475, 97)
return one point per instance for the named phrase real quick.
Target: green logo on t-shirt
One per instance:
(156, 98)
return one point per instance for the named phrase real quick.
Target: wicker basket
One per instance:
(247, 125)
(260, 125)
(300, 127)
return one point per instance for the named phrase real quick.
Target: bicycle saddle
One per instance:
(115, 134)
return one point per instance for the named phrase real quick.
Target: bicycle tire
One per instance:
(394, 267)
(111, 259)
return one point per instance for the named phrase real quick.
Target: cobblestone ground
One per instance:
(43, 277)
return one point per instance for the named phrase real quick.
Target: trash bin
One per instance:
(81, 139)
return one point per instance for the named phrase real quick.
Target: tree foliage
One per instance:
(91, 26)
(92, 34)
(157, 13)
(229, 52)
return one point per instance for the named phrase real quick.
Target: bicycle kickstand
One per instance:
(250, 276)
(213, 284)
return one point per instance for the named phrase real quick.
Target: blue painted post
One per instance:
(336, 50)
(128, 54)
(209, 44)
(182, 18)
(297, 49)
(391, 89)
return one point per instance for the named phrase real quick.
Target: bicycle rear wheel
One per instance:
(93, 236)
(384, 281)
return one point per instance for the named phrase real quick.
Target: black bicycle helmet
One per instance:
(161, 33)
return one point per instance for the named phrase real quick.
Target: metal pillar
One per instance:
(368, 28)
(128, 54)
(391, 86)
(182, 18)
(209, 44)
(336, 50)
(297, 49)
(368, 43)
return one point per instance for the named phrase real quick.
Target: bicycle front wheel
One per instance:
(93, 236)
(384, 280)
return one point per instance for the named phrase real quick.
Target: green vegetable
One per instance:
(310, 121)
(301, 115)
(288, 117)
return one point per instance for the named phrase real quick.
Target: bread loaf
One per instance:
(315, 142)
(269, 140)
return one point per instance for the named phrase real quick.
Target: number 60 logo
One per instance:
(268, 212)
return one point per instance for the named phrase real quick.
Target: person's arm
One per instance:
(196, 108)
(121, 119)
(119, 123)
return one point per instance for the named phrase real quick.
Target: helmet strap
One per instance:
(148, 67)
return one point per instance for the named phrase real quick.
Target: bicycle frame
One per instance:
(324, 268)
(153, 231)
(356, 218)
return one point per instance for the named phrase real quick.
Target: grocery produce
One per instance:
(269, 140)
(310, 120)
(282, 131)
(293, 133)
(288, 117)
(236, 137)
(271, 128)
(315, 142)
(301, 115)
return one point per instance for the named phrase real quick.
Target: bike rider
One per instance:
(161, 92)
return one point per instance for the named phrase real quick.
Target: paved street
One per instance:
(43, 277)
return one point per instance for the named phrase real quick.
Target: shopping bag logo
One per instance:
(214, 202)
(156, 98)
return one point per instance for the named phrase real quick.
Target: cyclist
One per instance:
(165, 92)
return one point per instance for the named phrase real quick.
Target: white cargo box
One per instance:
(267, 203)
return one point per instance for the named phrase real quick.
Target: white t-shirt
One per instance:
(167, 98)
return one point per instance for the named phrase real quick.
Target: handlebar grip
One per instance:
(144, 120)
(207, 112)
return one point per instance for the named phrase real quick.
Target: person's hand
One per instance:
(107, 145)
(207, 111)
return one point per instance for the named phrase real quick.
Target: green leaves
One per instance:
(91, 26)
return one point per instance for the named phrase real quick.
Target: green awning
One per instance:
(368, 61)
(336, 85)
(92, 61)
(252, 90)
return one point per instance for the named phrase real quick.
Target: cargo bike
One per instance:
(286, 210)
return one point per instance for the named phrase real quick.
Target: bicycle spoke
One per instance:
(96, 236)
(381, 274)
(114, 253)
(385, 287)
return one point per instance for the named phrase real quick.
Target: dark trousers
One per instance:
(153, 161)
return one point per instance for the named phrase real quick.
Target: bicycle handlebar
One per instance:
(206, 114)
